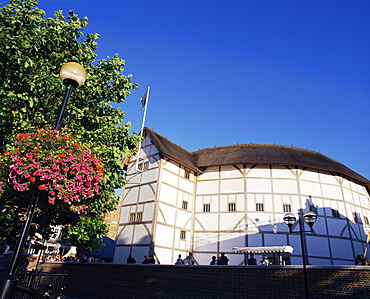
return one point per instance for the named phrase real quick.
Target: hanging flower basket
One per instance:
(54, 162)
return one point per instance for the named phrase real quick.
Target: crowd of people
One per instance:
(189, 260)
(78, 259)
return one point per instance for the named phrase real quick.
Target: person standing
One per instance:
(252, 261)
(265, 261)
(179, 261)
(189, 259)
(225, 258)
(213, 261)
(146, 260)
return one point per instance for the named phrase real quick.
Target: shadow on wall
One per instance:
(340, 239)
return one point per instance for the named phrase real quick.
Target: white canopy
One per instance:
(285, 248)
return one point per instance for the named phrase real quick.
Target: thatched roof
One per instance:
(266, 154)
(171, 150)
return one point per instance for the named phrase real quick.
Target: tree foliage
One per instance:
(32, 50)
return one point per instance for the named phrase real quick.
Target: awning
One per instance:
(285, 248)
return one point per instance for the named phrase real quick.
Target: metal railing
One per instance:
(37, 285)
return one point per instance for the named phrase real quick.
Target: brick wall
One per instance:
(110, 281)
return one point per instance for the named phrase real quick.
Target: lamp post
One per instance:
(72, 75)
(310, 219)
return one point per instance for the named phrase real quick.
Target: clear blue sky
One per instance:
(226, 72)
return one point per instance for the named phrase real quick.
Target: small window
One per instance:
(184, 205)
(139, 216)
(366, 220)
(287, 208)
(335, 213)
(112, 235)
(232, 207)
(187, 174)
(113, 228)
(132, 217)
(259, 207)
(206, 207)
(182, 235)
(143, 166)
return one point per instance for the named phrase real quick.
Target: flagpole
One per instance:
(142, 126)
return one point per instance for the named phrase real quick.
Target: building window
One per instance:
(206, 207)
(259, 207)
(232, 207)
(132, 217)
(112, 235)
(113, 228)
(182, 234)
(136, 217)
(366, 220)
(139, 216)
(143, 166)
(287, 208)
(184, 205)
(187, 174)
(335, 213)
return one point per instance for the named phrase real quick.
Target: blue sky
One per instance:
(227, 72)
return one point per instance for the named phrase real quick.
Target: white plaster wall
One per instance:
(207, 187)
(169, 178)
(228, 172)
(259, 186)
(232, 220)
(166, 214)
(282, 173)
(147, 192)
(185, 184)
(163, 236)
(285, 186)
(168, 194)
(211, 173)
(183, 219)
(260, 171)
(205, 241)
(310, 188)
(142, 234)
(232, 185)
(206, 221)
(171, 167)
(124, 235)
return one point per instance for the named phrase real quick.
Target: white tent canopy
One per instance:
(285, 248)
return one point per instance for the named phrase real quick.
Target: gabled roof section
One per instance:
(169, 149)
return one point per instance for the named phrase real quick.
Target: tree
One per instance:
(32, 50)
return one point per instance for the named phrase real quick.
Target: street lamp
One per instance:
(310, 219)
(72, 75)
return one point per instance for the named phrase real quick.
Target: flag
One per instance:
(143, 100)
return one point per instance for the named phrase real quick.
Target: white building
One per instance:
(214, 199)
